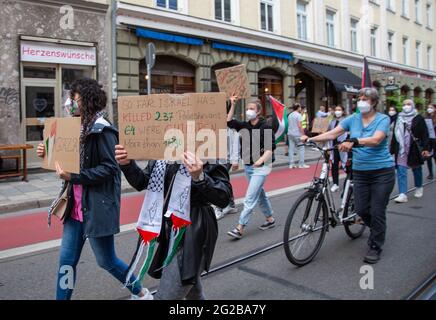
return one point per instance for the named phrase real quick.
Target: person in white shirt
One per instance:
(322, 113)
(295, 132)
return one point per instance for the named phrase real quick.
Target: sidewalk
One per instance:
(43, 188)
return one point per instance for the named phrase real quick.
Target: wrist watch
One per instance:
(200, 177)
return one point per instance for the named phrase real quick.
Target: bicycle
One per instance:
(315, 212)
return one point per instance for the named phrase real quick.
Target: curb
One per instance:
(45, 202)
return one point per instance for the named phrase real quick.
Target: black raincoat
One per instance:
(201, 236)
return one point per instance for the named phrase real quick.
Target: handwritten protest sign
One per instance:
(61, 141)
(234, 80)
(163, 126)
(320, 125)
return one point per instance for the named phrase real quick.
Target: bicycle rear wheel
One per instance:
(305, 229)
(353, 230)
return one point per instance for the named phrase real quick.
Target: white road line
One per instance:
(9, 253)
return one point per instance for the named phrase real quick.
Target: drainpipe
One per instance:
(114, 61)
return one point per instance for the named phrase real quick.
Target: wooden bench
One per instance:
(17, 172)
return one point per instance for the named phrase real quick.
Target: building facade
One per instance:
(45, 46)
(307, 51)
(310, 51)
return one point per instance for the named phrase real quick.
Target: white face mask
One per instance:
(338, 114)
(430, 110)
(251, 115)
(392, 113)
(407, 108)
(364, 107)
(71, 106)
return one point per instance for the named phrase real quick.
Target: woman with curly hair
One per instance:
(95, 211)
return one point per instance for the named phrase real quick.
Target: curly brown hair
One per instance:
(92, 98)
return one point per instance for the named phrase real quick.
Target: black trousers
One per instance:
(372, 190)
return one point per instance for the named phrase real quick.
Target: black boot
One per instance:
(372, 256)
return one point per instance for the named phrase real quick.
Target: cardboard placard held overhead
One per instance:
(320, 125)
(234, 80)
(62, 144)
(163, 126)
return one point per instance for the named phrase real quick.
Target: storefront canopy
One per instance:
(168, 37)
(249, 50)
(342, 79)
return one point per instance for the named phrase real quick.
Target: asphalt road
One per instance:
(409, 257)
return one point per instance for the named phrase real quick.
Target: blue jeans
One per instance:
(104, 251)
(255, 193)
(293, 142)
(402, 178)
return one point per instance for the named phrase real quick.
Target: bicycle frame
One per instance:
(321, 187)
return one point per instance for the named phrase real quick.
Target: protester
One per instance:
(180, 257)
(304, 120)
(331, 113)
(256, 153)
(335, 155)
(295, 131)
(322, 113)
(393, 114)
(409, 145)
(94, 213)
(232, 163)
(373, 167)
(431, 124)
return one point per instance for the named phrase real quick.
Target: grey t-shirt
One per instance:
(294, 119)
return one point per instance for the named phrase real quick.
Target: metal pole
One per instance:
(148, 79)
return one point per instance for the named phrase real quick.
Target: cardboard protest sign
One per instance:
(320, 125)
(234, 80)
(62, 144)
(163, 126)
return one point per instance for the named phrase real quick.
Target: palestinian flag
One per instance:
(280, 119)
(49, 142)
(366, 76)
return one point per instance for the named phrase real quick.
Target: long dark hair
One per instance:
(93, 98)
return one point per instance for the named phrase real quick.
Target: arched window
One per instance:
(169, 75)
(270, 82)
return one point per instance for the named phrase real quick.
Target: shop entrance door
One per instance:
(39, 101)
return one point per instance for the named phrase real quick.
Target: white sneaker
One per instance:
(219, 214)
(304, 166)
(292, 166)
(230, 210)
(402, 198)
(334, 188)
(419, 192)
(147, 295)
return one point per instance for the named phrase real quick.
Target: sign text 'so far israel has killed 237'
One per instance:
(163, 126)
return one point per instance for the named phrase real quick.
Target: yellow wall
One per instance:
(250, 18)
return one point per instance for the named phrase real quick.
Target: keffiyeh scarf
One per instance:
(402, 129)
(150, 218)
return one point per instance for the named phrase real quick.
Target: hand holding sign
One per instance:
(61, 144)
(121, 155)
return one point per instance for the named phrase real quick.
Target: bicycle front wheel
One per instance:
(305, 229)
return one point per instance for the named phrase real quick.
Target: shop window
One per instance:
(270, 82)
(39, 104)
(35, 72)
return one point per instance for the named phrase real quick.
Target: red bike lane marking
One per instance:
(30, 228)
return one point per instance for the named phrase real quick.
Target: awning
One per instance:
(249, 50)
(168, 37)
(342, 79)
